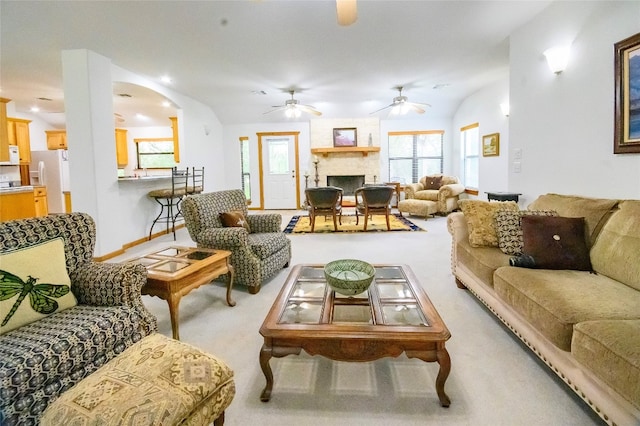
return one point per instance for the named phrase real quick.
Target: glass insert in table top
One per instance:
(393, 295)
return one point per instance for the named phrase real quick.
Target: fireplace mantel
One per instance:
(364, 150)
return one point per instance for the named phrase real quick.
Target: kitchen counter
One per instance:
(143, 178)
(14, 189)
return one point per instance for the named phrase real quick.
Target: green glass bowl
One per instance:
(349, 276)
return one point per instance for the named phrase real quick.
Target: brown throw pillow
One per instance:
(433, 182)
(509, 228)
(556, 242)
(234, 220)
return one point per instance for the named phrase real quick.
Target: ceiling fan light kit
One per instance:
(401, 105)
(293, 109)
(347, 12)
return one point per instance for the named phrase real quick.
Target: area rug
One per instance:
(301, 224)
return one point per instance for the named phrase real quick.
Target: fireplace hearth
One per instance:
(349, 183)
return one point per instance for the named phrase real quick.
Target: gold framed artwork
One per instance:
(626, 138)
(491, 145)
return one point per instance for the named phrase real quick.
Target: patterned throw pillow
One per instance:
(509, 228)
(35, 282)
(433, 182)
(234, 220)
(480, 217)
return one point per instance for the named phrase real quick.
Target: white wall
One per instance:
(483, 107)
(564, 123)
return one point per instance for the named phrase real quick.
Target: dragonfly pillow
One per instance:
(33, 284)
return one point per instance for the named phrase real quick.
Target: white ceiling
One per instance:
(222, 52)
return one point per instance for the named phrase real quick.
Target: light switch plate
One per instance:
(517, 167)
(517, 153)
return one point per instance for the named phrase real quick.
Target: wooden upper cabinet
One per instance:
(122, 151)
(18, 133)
(56, 139)
(176, 145)
(4, 136)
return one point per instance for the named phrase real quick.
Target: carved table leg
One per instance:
(265, 356)
(174, 301)
(230, 301)
(445, 367)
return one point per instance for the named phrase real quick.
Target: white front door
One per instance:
(280, 171)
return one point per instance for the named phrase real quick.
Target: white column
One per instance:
(88, 98)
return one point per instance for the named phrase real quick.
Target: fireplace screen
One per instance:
(349, 184)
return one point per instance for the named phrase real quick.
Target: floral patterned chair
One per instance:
(259, 248)
(42, 359)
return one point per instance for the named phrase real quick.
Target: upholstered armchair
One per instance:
(443, 190)
(259, 249)
(372, 200)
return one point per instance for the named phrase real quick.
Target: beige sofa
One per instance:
(585, 326)
(422, 201)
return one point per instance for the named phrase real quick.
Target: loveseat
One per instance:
(585, 325)
(219, 220)
(104, 315)
(433, 194)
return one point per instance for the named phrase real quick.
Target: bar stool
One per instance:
(169, 199)
(197, 181)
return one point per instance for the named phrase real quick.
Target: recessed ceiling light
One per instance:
(141, 116)
(166, 104)
(34, 109)
(165, 79)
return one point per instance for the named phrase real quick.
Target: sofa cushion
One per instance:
(34, 283)
(509, 228)
(427, 194)
(615, 253)
(611, 350)
(480, 261)
(555, 242)
(595, 211)
(480, 217)
(38, 361)
(553, 301)
(265, 244)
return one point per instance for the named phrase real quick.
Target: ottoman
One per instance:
(418, 207)
(157, 381)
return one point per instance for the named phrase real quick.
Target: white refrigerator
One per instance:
(51, 169)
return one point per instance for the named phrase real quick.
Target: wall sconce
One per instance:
(557, 58)
(504, 107)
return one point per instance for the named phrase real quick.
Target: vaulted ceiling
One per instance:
(241, 58)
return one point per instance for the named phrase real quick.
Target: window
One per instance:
(244, 165)
(470, 141)
(413, 155)
(155, 153)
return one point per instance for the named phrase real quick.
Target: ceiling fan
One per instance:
(293, 109)
(401, 105)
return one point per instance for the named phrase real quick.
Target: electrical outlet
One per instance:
(517, 167)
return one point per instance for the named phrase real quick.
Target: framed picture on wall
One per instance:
(626, 138)
(491, 145)
(345, 137)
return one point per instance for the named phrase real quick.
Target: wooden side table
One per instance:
(398, 188)
(503, 196)
(175, 271)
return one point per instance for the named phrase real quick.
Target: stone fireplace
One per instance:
(349, 184)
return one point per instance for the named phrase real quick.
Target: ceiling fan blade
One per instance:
(382, 109)
(416, 107)
(280, 108)
(309, 109)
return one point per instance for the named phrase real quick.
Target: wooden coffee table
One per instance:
(175, 271)
(393, 316)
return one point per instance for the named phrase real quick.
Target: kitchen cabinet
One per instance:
(122, 151)
(18, 132)
(176, 146)
(4, 136)
(41, 207)
(56, 139)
